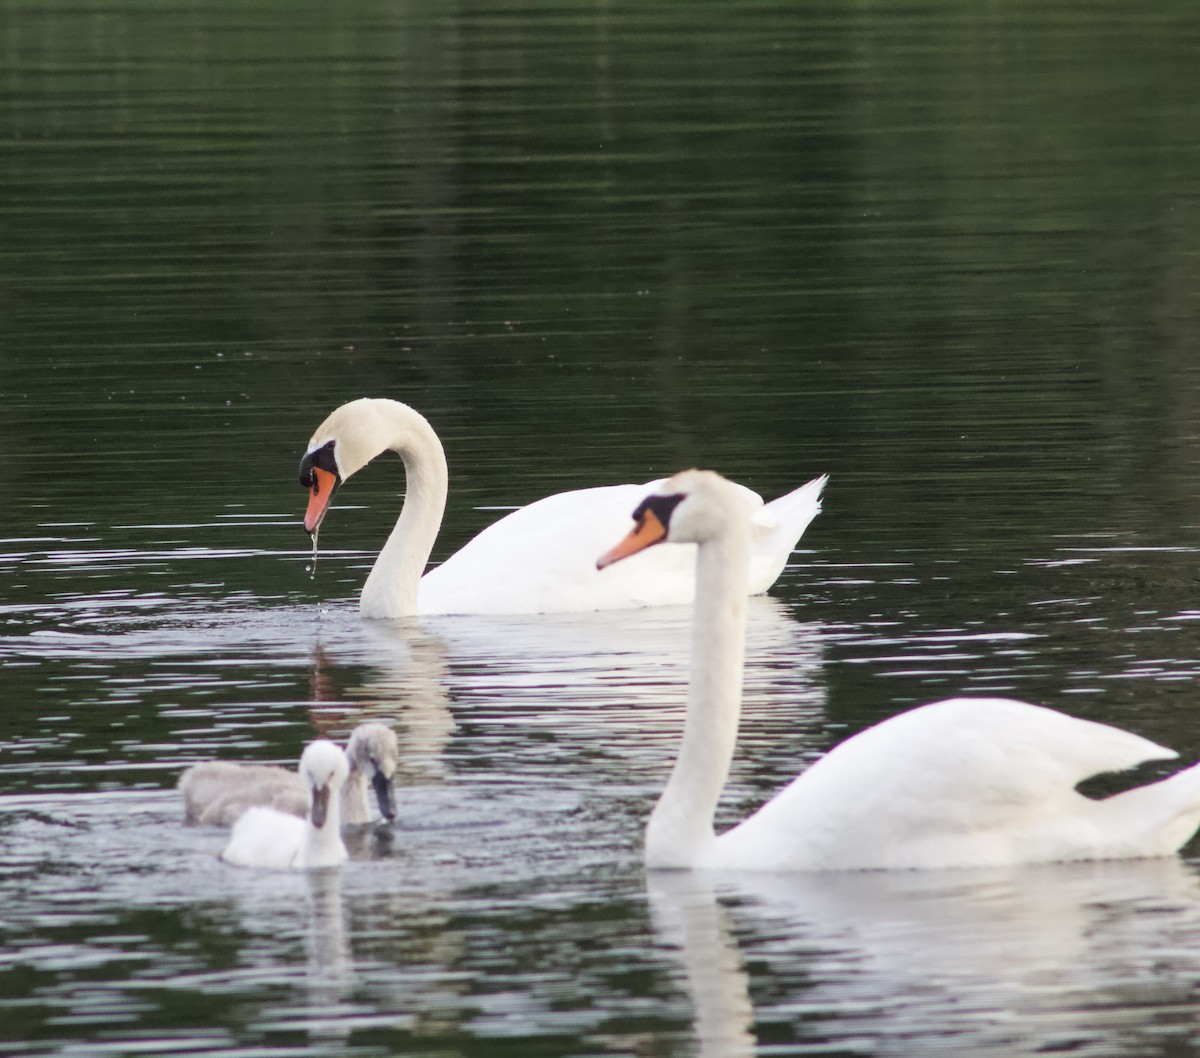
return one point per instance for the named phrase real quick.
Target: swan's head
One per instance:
(690, 508)
(347, 441)
(324, 767)
(374, 750)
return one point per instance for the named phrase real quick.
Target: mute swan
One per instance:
(959, 783)
(264, 837)
(217, 792)
(538, 559)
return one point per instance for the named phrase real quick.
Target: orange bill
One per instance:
(648, 531)
(323, 482)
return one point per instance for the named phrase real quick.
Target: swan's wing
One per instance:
(542, 559)
(949, 772)
(216, 793)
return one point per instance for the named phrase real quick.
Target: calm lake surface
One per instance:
(949, 254)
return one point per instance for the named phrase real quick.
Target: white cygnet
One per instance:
(265, 837)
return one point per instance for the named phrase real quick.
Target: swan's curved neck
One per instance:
(391, 587)
(680, 830)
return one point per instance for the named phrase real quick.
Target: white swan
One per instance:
(959, 783)
(217, 792)
(264, 837)
(539, 559)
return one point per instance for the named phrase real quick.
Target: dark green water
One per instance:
(949, 254)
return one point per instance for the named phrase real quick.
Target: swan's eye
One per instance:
(322, 459)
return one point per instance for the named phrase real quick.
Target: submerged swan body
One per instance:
(960, 783)
(538, 559)
(265, 837)
(217, 792)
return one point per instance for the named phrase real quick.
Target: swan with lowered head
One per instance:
(265, 837)
(217, 792)
(538, 559)
(959, 783)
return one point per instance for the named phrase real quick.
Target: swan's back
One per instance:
(964, 782)
(542, 557)
(216, 792)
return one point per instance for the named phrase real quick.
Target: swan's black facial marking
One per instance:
(661, 506)
(322, 459)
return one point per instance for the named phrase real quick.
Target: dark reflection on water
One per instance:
(947, 254)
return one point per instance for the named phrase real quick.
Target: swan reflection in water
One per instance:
(405, 684)
(1100, 958)
(619, 675)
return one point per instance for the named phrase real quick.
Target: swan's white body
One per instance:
(218, 792)
(265, 837)
(538, 559)
(959, 783)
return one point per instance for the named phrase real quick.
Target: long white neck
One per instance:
(391, 587)
(680, 830)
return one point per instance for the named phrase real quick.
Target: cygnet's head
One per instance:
(374, 750)
(689, 508)
(324, 767)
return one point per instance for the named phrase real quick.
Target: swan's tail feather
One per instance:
(778, 527)
(792, 512)
(1156, 819)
